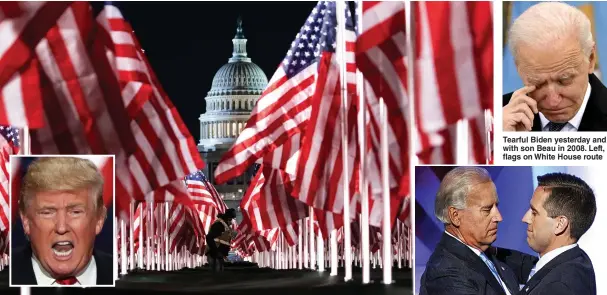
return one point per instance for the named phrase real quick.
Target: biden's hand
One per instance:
(519, 112)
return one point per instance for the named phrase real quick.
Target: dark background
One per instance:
(187, 42)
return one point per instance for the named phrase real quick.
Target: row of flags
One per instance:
(82, 84)
(297, 128)
(162, 219)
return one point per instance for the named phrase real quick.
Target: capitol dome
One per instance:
(239, 77)
(235, 88)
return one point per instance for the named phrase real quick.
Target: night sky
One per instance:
(187, 42)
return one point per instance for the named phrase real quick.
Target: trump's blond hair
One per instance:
(62, 174)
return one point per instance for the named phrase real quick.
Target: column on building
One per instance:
(202, 130)
(223, 129)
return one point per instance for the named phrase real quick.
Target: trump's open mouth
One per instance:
(63, 249)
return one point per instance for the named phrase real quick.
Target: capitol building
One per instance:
(235, 89)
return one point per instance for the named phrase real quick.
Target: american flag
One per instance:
(274, 204)
(284, 108)
(380, 55)
(177, 220)
(25, 23)
(208, 201)
(114, 103)
(260, 226)
(203, 192)
(268, 202)
(454, 77)
(320, 173)
(9, 145)
(11, 135)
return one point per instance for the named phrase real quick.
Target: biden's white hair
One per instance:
(546, 22)
(455, 188)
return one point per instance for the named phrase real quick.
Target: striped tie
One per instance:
(491, 267)
(531, 274)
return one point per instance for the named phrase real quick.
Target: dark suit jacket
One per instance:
(453, 269)
(595, 114)
(570, 273)
(23, 271)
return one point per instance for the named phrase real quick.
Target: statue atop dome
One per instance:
(239, 34)
(240, 45)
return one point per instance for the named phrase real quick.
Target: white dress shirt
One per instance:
(548, 257)
(478, 252)
(574, 123)
(88, 277)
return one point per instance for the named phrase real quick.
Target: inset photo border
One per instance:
(62, 230)
(514, 214)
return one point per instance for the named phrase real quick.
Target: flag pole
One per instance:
(334, 252)
(340, 9)
(26, 151)
(305, 235)
(299, 245)
(312, 245)
(410, 32)
(141, 243)
(321, 253)
(462, 144)
(152, 246)
(115, 249)
(148, 242)
(161, 238)
(166, 234)
(364, 192)
(131, 236)
(386, 234)
(123, 255)
(292, 257)
(488, 130)
(399, 242)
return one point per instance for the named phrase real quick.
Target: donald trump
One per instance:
(62, 211)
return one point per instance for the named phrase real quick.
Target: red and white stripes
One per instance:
(453, 77)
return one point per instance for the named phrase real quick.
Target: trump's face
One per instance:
(540, 227)
(62, 226)
(560, 74)
(479, 220)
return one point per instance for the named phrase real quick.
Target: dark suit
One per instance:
(454, 269)
(570, 273)
(23, 271)
(595, 114)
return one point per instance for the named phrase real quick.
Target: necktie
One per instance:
(555, 126)
(491, 267)
(67, 281)
(531, 274)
